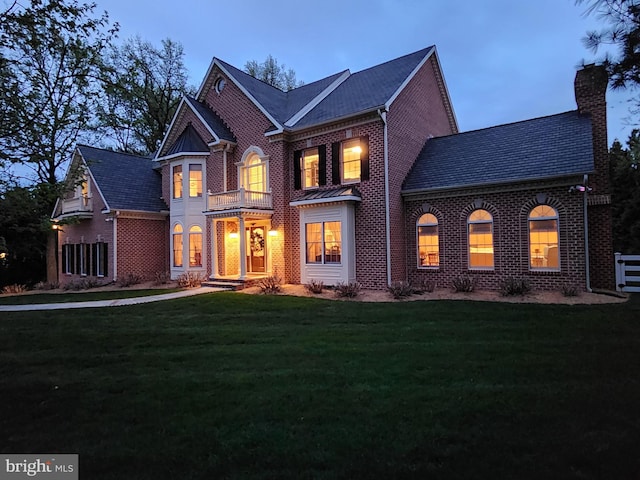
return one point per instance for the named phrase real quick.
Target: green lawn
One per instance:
(226, 385)
(34, 298)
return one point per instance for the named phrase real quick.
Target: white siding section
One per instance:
(330, 274)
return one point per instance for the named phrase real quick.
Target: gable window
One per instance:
(480, 235)
(195, 246)
(254, 174)
(350, 161)
(543, 238)
(177, 181)
(323, 241)
(177, 246)
(195, 180)
(428, 246)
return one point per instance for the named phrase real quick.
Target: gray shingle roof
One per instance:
(213, 120)
(188, 141)
(547, 147)
(127, 182)
(365, 90)
(360, 92)
(333, 193)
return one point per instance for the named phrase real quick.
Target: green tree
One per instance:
(273, 73)
(622, 30)
(143, 86)
(50, 62)
(625, 182)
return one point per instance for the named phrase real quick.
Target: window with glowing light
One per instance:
(195, 181)
(323, 242)
(428, 245)
(351, 152)
(254, 175)
(177, 181)
(195, 246)
(543, 238)
(177, 246)
(309, 164)
(480, 234)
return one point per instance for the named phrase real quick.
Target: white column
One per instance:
(214, 249)
(243, 249)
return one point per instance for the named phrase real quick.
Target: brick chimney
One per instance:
(590, 89)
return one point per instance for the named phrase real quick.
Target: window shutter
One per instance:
(322, 164)
(74, 257)
(335, 163)
(364, 158)
(297, 168)
(105, 259)
(64, 259)
(94, 259)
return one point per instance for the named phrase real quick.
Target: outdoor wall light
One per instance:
(234, 231)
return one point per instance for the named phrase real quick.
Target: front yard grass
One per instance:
(227, 385)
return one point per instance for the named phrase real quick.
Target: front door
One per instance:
(256, 249)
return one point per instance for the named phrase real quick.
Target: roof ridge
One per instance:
(509, 123)
(425, 50)
(144, 157)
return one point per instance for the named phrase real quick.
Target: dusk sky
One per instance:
(503, 60)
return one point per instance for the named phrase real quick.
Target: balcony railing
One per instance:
(239, 199)
(78, 204)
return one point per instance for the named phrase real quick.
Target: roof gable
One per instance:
(127, 182)
(189, 141)
(540, 148)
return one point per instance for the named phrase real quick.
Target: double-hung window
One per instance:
(480, 236)
(350, 161)
(177, 181)
(177, 245)
(323, 242)
(309, 164)
(195, 180)
(195, 246)
(543, 238)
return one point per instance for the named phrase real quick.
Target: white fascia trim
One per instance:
(319, 98)
(166, 135)
(206, 77)
(409, 78)
(202, 120)
(55, 208)
(92, 178)
(317, 201)
(173, 156)
(246, 92)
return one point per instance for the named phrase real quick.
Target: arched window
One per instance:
(428, 245)
(177, 245)
(254, 174)
(195, 246)
(543, 238)
(480, 232)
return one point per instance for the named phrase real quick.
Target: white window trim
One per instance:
(242, 166)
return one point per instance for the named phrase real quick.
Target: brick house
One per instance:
(364, 177)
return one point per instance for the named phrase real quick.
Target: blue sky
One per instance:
(503, 60)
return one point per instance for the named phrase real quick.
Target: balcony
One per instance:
(81, 207)
(239, 199)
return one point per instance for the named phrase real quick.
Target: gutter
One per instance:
(383, 116)
(586, 235)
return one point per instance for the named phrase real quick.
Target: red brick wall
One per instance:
(419, 112)
(510, 210)
(142, 247)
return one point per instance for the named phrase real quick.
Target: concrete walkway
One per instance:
(109, 303)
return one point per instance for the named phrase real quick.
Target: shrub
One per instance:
(15, 288)
(191, 279)
(400, 289)
(425, 285)
(128, 280)
(314, 286)
(47, 285)
(74, 285)
(162, 278)
(348, 290)
(511, 286)
(570, 291)
(270, 285)
(463, 284)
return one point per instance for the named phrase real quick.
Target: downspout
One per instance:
(383, 117)
(586, 233)
(115, 246)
